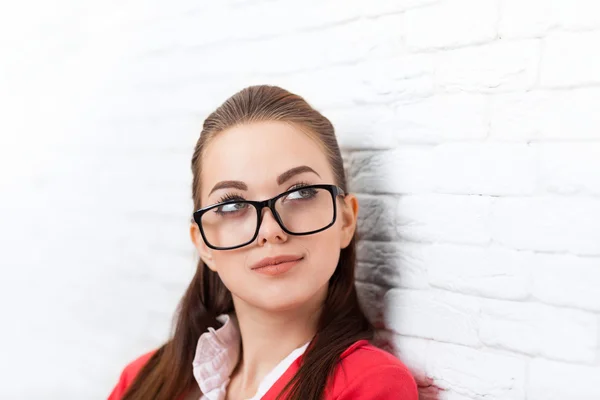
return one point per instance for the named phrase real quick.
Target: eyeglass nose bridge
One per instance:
(270, 204)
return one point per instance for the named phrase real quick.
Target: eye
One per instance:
(231, 208)
(302, 194)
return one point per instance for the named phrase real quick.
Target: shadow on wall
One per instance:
(378, 253)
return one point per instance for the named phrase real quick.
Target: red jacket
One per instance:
(365, 372)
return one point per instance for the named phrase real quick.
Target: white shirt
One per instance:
(217, 354)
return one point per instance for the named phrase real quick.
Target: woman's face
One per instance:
(257, 154)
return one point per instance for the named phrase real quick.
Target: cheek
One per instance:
(322, 256)
(324, 251)
(230, 266)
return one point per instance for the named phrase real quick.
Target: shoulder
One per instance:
(367, 372)
(128, 375)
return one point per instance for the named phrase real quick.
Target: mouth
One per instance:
(276, 265)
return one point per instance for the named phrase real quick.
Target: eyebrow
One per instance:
(280, 179)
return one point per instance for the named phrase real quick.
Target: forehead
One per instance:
(256, 153)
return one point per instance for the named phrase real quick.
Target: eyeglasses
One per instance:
(235, 223)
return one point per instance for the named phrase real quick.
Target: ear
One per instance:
(206, 253)
(348, 213)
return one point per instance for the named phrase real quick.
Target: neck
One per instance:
(270, 336)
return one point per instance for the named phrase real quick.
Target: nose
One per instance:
(269, 230)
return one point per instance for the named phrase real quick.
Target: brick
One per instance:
(395, 264)
(567, 280)
(422, 121)
(414, 352)
(92, 181)
(154, 91)
(370, 297)
(577, 14)
(450, 394)
(136, 168)
(383, 6)
(479, 271)
(569, 168)
(313, 49)
(550, 380)
(545, 115)
(430, 120)
(153, 136)
(495, 67)
(447, 25)
(401, 77)
(444, 218)
(444, 118)
(485, 168)
(374, 127)
(535, 18)
(531, 18)
(567, 60)
(239, 22)
(141, 199)
(221, 24)
(539, 330)
(464, 372)
(552, 224)
(433, 315)
(139, 229)
(337, 44)
(159, 259)
(376, 219)
(406, 169)
(475, 373)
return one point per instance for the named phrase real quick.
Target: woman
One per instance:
(272, 311)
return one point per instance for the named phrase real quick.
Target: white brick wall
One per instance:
(471, 134)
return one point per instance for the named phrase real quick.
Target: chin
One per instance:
(285, 296)
(278, 308)
(277, 301)
(286, 300)
(281, 304)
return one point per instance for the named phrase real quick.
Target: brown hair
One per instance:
(168, 374)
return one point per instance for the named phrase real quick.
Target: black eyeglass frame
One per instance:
(334, 190)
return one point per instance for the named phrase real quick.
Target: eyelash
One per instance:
(230, 196)
(235, 196)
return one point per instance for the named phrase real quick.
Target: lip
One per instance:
(276, 265)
